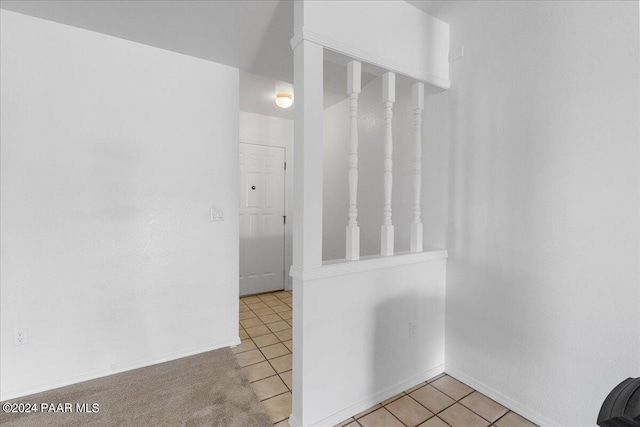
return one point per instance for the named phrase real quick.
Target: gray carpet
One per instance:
(208, 389)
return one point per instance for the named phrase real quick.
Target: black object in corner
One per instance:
(621, 408)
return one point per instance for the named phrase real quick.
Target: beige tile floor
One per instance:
(265, 352)
(265, 357)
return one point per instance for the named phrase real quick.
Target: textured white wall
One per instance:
(542, 126)
(356, 349)
(112, 155)
(276, 132)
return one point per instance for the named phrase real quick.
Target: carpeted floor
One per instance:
(208, 389)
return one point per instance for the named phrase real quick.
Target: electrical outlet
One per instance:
(21, 336)
(412, 330)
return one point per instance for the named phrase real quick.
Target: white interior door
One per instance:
(261, 219)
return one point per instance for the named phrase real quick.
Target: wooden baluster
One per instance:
(353, 231)
(388, 98)
(417, 98)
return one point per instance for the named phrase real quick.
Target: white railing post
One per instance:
(308, 83)
(307, 220)
(417, 98)
(388, 98)
(353, 231)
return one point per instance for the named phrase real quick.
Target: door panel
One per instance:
(261, 219)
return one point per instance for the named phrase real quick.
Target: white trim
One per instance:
(261, 142)
(371, 58)
(14, 394)
(295, 40)
(374, 399)
(343, 267)
(505, 401)
(293, 421)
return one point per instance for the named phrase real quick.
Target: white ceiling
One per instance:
(252, 35)
(257, 95)
(435, 8)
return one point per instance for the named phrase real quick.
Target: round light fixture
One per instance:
(284, 100)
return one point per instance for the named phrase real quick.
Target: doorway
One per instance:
(262, 218)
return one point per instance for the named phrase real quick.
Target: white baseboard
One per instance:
(505, 401)
(14, 394)
(293, 421)
(372, 400)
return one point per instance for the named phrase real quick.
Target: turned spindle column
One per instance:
(388, 98)
(353, 231)
(417, 98)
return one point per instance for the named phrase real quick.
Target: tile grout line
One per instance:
(276, 395)
(503, 415)
(489, 421)
(407, 394)
(394, 415)
(434, 415)
(443, 421)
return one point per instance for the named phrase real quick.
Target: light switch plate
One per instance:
(217, 214)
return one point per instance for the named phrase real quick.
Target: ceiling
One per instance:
(436, 8)
(247, 34)
(250, 35)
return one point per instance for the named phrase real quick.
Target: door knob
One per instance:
(253, 187)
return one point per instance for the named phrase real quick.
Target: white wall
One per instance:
(542, 128)
(277, 132)
(370, 173)
(112, 155)
(356, 350)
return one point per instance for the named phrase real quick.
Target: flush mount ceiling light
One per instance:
(284, 99)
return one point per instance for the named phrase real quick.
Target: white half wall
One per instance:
(276, 132)
(542, 126)
(357, 349)
(112, 155)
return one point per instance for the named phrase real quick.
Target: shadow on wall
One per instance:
(400, 343)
